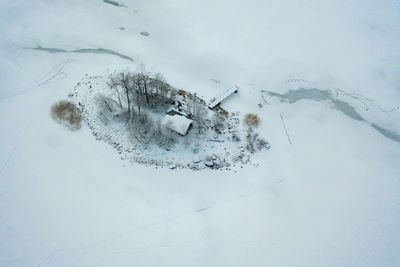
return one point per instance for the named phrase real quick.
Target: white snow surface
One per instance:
(331, 198)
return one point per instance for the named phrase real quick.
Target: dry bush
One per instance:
(251, 120)
(261, 143)
(163, 136)
(66, 113)
(236, 137)
(219, 122)
(142, 128)
(251, 140)
(255, 143)
(221, 111)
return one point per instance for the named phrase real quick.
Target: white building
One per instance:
(177, 123)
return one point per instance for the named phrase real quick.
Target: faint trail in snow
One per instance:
(5, 163)
(269, 241)
(361, 99)
(85, 249)
(48, 77)
(19, 66)
(56, 72)
(284, 127)
(309, 175)
(202, 209)
(83, 254)
(265, 101)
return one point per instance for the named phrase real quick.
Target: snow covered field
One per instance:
(327, 193)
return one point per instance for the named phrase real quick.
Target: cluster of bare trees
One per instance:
(139, 98)
(196, 109)
(146, 129)
(136, 90)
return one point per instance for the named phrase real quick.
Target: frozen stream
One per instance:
(84, 50)
(292, 96)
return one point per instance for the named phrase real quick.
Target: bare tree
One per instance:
(163, 136)
(113, 84)
(198, 112)
(219, 122)
(159, 81)
(137, 88)
(144, 76)
(143, 128)
(162, 87)
(254, 142)
(125, 81)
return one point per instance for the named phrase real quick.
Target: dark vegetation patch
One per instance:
(67, 114)
(251, 120)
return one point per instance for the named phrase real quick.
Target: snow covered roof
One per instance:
(177, 123)
(173, 111)
(222, 97)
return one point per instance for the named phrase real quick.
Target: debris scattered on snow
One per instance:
(209, 163)
(172, 166)
(188, 152)
(196, 159)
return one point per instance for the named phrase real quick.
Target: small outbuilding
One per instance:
(174, 111)
(177, 123)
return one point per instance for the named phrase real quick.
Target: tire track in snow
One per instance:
(284, 127)
(83, 250)
(54, 72)
(308, 174)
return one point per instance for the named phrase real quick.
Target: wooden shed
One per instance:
(177, 123)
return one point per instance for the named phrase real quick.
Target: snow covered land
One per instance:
(323, 76)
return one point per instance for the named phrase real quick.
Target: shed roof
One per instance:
(174, 111)
(223, 96)
(177, 123)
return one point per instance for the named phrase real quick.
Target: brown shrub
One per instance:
(221, 111)
(66, 113)
(251, 120)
